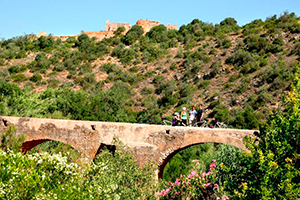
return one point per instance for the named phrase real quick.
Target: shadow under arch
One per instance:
(111, 148)
(28, 145)
(171, 155)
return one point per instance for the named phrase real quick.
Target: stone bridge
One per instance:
(146, 142)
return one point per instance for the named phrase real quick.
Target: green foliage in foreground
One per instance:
(9, 141)
(271, 170)
(46, 176)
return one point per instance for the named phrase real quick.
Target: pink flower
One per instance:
(212, 166)
(224, 197)
(197, 175)
(162, 193)
(214, 160)
(218, 198)
(168, 190)
(177, 182)
(208, 173)
(207, 184)
(192, 174)
(216, 186)
(203, 175)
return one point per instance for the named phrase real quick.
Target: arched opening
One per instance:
(28, 145)
(52, 147)
(196, 156)
(111, 148)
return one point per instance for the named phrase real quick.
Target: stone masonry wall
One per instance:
(112, 26)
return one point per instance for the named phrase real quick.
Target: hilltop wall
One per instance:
(110, 27)
(113, 26)
(100, 35)
(147, 25)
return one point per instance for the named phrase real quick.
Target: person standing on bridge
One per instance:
(183, 116)
(176, 120)
(192, 116)
(200, 114)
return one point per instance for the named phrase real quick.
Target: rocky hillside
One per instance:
(237, 73)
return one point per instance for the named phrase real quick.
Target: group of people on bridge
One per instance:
(188, 118)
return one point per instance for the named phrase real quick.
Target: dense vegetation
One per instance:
(240, 74)
(237, 73)
(52, 176)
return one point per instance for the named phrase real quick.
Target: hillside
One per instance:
(238, 73)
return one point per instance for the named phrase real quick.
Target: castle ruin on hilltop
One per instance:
(110, 27)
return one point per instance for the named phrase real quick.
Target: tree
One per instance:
(273, 164)
(158, 33)
(45, 42)
(120, 30)
(133, 35)
(229, 21)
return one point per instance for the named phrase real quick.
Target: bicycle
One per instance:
(220, 124)
(166, 122)
(202, 124)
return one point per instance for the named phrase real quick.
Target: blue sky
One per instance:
(69, 17)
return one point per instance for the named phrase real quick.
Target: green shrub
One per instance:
(262, 98)
(41, 62)
(242, 87)
(134, 69)
(23, 68)
(146, 91)
(221, 112)
(240, 58)
(2, 62)
(256, 43)
(36, 78)
(228, 85)
(4, 73)
(108, 68)
(223, 42)
(10, 141)
(250, 67)
(85, 68)
(9, 89)
(234, 77)
(59, 67)
(71, 40)
(245, 118)
(14, 69)
(204, 84)
(20, 77)
(53, 82)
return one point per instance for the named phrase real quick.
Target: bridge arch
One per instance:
(168, 157)
(30, 144)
